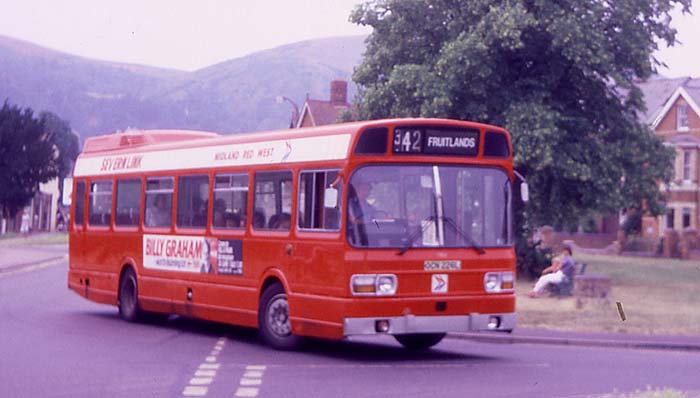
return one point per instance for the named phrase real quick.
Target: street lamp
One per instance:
(295, 114)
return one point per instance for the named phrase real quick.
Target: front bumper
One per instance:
(429, 324)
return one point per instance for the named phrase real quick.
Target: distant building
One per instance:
(41, 211)
(319, 112)
(673, 112)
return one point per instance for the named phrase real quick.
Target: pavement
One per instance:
(523, 335)
(24, 254)
(19, 253)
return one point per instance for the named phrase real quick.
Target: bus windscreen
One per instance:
(429, 206)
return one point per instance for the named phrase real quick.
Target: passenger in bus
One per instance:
(285, 221)
(158, 215)
(219, 213)
(233, 220)
(199, 213)
(561, 270)
(258, 219)
(280, 221)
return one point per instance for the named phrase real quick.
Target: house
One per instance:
(673, 112)
(40, 212)
(319, 112)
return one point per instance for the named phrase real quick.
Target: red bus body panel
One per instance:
(314, 267)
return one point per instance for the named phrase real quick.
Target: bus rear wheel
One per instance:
(274, 320)
(419, 341)
(129, 308)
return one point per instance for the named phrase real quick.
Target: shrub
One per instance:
(633, 223)
(532, 258)
(637, 244)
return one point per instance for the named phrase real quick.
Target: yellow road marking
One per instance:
(34, 267)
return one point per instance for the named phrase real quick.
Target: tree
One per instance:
(28, 156)
(66, 142)
(560, 76)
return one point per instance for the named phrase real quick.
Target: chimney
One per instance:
(339, 92)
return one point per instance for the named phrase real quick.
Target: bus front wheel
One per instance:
(273, 319)
(129, 308)
(419, 341)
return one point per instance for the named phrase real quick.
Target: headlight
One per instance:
(386, 285)
(498, 282)
(373, 285)
(491, 282)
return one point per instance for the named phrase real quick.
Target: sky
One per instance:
(191, 34)
(179, 34)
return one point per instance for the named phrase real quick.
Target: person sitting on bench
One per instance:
(561, 270)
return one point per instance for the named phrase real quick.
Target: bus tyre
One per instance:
(273, 319)
(419, 341)
(129, 308)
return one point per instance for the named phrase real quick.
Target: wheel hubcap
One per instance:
(278, 316)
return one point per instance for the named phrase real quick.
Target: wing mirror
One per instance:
(330, 198)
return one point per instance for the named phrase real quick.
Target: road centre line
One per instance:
(247, 392)
(195, 391)
(252, 377)
(251, 382)
(252, 373)
(205, 373)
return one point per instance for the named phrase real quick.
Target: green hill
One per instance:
(234, 96)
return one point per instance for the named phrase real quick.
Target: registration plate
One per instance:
(442, 265)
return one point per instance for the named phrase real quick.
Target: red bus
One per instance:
(399, 227)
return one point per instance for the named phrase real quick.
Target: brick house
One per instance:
(673, 112)
(319, 112)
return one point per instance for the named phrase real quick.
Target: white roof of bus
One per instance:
(161, 150)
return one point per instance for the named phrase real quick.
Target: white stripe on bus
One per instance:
(332, 147)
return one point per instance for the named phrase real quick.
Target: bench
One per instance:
(566, 287)
(592, 286)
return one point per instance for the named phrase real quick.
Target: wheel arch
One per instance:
(270, 277)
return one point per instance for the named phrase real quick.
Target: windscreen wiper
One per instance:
(464, 235)
(412, 238)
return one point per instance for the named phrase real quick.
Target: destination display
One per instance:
(434, 141)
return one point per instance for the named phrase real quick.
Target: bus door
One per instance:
(158, 241)
(318, 253)
(97, 251)
(271, 219)
(77, 246)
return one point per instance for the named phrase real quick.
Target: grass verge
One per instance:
(659, 296)
(13, 239)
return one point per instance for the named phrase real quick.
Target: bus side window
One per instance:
(230, 201)
(100, 206)
(79, 203)
(192, 198)
(159, 201)
(128, 207)
(273, 200)
(311, 213)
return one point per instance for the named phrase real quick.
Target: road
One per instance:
(55, 344)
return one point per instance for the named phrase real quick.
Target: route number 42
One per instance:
(407, 141)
